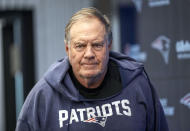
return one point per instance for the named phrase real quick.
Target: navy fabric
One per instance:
(55, 104)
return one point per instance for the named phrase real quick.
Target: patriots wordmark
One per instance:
(97, 114)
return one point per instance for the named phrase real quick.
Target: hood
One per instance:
(58, 78)
(128, 67)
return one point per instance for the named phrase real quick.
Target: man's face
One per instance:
(88, 51)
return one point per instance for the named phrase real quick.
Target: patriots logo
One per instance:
(138, 4)
(186, 100)
(101, 120)
(162, 44)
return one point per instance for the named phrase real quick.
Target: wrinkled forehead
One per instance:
(88, 28)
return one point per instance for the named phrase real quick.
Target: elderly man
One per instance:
(92, 88)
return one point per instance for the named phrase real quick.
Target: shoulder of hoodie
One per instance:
(39, 88)
(42, 86)
(31, 100)
(127, 63)
(131, 66)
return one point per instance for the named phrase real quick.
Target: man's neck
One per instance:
(92, 83)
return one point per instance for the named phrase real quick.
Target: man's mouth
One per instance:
(94, 63)
(89, 65)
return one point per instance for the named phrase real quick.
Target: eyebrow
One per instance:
(82, 41)
(78, 42)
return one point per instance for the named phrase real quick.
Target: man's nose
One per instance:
(89, 53)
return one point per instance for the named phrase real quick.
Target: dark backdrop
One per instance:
(163, 35)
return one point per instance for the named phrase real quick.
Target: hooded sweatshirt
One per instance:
(55, 104)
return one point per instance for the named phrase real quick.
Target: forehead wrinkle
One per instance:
(84, 33)
(87, 40)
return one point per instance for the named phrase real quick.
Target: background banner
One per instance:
(162, 43)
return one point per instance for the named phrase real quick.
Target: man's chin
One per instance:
(90, 75)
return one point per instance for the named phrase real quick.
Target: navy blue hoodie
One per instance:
(54, 104)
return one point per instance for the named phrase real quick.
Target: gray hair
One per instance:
(88, 13)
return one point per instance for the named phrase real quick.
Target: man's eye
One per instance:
(80, 46)
(98, 46)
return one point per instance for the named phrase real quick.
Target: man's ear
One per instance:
(66, 47)
(110, 45)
